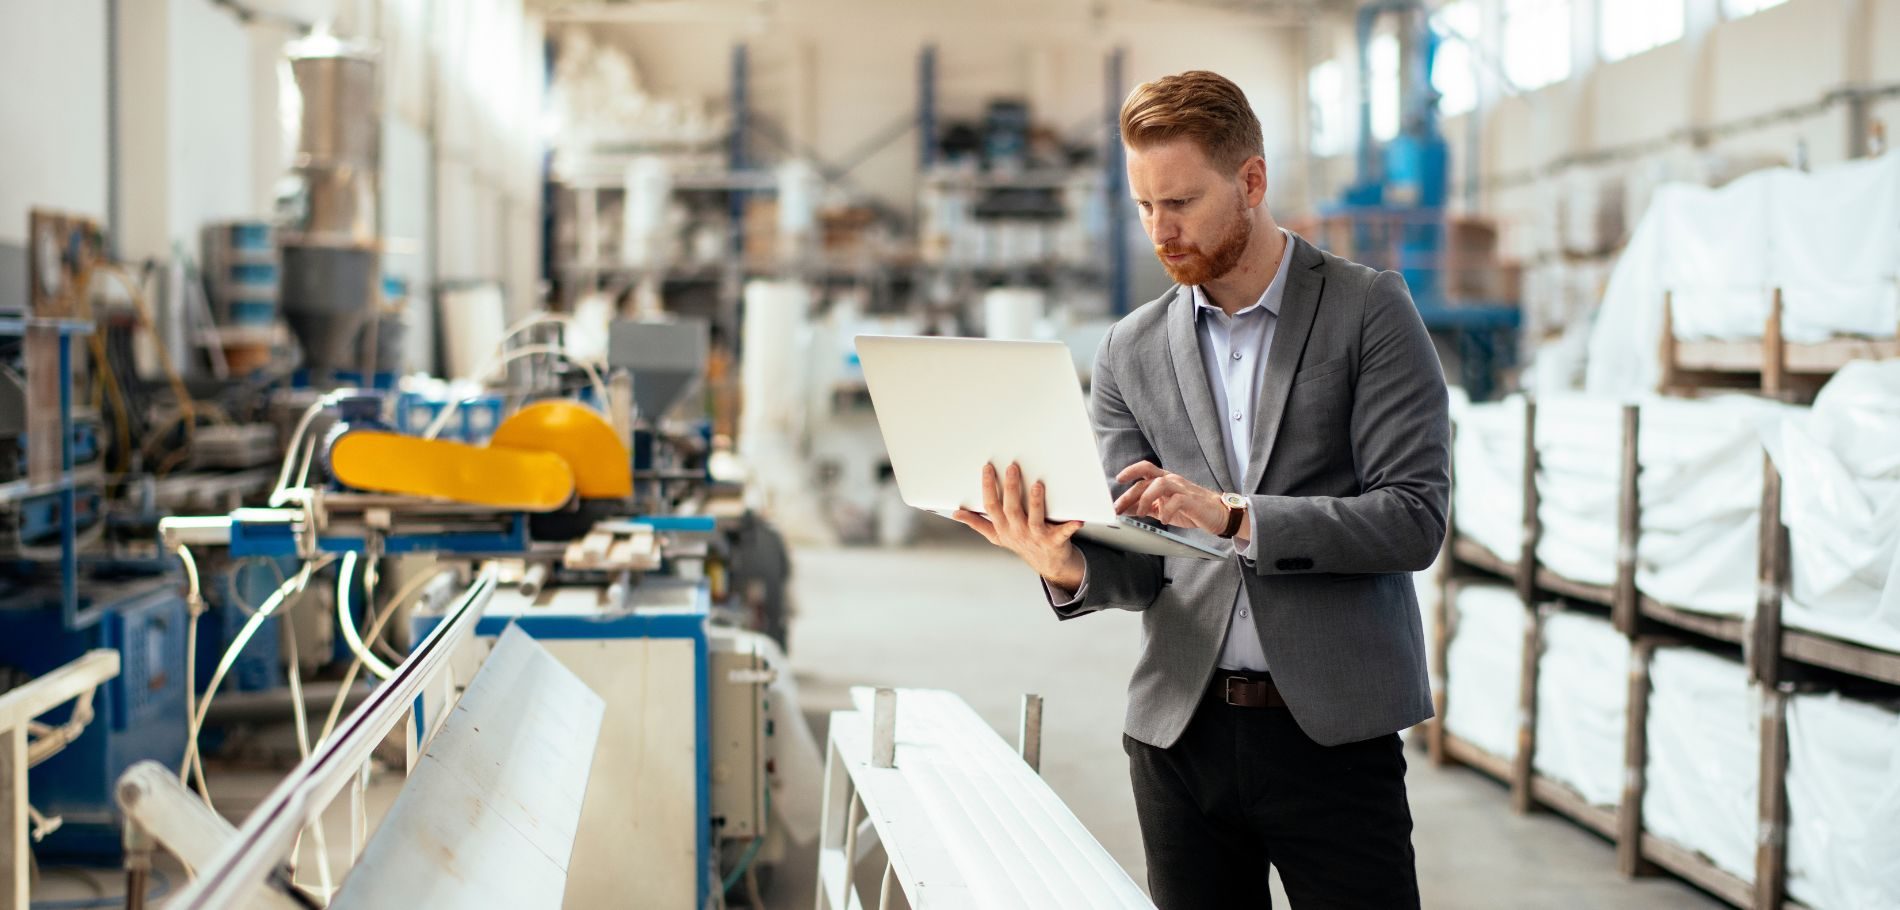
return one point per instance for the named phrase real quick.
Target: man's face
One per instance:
(1195, 216)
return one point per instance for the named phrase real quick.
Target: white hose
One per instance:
(288, 589)
(290, 451)
(345, 581)
(530, 350)
(194, 603)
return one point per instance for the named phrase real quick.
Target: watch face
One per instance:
(1234, 500)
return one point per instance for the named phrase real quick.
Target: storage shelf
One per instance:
(1746, 356)
(1722, 628)
(1571, 804)
(1471, 553)
(1602, 595)
(1692, 867)
(1844, 656)
(1463, 752)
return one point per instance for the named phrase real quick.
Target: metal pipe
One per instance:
(534, 579)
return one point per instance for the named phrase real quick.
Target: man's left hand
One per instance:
(1170, 499)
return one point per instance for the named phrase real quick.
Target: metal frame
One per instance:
(271, 831)
(76, 680)
(37, 332)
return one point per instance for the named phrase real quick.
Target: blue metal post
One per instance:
(927, 107)
(68, 500)
(1115, 193)
(735, 153)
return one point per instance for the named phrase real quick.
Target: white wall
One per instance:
(203, 139)
(855, 64)
(52, 111)
(210, 119)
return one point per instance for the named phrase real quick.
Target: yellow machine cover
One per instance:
(506, 478)
(603, 469)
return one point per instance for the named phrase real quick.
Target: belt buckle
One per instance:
(1227, 689)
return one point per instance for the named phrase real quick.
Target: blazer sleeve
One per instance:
(1113, 579)
(1401, 444)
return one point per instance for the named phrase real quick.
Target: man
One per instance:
(1291, 401)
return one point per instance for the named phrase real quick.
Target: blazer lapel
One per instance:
(1190, 375)
(1298, 304)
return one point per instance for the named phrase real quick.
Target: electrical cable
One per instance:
(290, 451)
(194, 603)
(744, 866)
(236, 596)
(302, 721)
(343, 584)
(288, 589)
(139, 303)
(529, 350)
(407, 591)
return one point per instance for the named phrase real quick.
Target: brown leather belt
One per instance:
(1246, 692)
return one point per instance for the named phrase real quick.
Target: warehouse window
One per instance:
(1454, 69)
(1536, 42)
(1736, 9)
(1382, 65)
(1329, 115)
(1629, 27)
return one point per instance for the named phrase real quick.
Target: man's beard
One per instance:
(1199, 267)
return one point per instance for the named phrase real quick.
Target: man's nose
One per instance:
(1164, 229)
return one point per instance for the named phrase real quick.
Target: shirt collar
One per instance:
(1269, 299)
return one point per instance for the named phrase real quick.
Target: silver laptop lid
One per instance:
(947, 405)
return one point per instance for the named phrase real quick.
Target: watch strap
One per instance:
(1234, 516)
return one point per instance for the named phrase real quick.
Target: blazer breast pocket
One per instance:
(1322, 370)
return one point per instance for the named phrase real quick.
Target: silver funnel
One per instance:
(667, 360)
(331, 267)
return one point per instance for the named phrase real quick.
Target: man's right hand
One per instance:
(1018, 522)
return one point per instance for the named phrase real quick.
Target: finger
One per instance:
(1013, 513)
(1038, 505)
(992, 499)
(1140, 470)
(1130, 497)
(1067, 530)
(1166, 486)
(976, 523)
(1166, 509)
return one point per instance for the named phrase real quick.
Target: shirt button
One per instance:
(1236, 355)
(1236, 415)
(1243, 614)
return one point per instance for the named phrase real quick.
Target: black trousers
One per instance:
(1243, 787)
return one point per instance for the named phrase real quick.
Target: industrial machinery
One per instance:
(618, 553)
(69, 584)
(336, 506)
(1393, 215)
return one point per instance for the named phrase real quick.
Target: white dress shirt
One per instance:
(1234, 356)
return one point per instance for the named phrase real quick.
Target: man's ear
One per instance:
(1253, 181)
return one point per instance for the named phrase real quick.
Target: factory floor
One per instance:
(950, 612)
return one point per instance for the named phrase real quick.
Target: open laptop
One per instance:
(948, 405)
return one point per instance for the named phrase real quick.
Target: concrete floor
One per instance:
(955, 614)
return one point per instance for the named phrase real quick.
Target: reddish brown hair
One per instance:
(1205, 107)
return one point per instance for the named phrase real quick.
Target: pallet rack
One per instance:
(1777, 658)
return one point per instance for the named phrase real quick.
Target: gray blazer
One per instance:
(1348, 477)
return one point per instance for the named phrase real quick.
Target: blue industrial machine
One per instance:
(1393, 216)
(54, 606)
